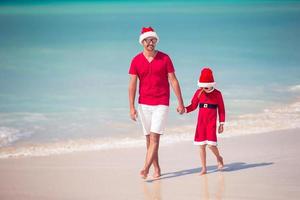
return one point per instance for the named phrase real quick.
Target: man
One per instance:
(154, 70)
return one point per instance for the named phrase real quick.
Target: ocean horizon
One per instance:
(64, 69)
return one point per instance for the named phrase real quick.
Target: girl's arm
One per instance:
(194, 102)
(221, 109)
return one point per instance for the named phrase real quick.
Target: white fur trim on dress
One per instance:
(213, 143)
(211, 84)
(148, 34)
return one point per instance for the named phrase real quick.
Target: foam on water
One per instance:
(10, 135)
(280, 118)
(273, 119)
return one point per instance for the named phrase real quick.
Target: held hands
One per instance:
(221, 128)
(181, 109)
(133, 114)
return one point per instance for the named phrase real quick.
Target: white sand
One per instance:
(261, 166)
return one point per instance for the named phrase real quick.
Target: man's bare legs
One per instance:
(203, 158)
(155, 159)
(152, 155)
(215, 150)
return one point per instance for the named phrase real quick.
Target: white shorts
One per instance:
(153, 118)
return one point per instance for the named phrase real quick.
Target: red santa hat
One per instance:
(148, 32)
(206, 78)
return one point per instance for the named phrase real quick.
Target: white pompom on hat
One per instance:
(147, 32)
(206, 78)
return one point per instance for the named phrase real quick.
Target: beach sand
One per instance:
(260, 166)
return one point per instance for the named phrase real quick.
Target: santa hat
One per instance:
(206, 78)
(148, 32)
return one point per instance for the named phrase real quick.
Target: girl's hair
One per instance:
(200, 93)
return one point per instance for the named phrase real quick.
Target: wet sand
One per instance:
(260, 166)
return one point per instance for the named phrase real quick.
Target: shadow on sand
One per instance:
(211, 169)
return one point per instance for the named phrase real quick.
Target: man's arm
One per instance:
(132, 92)
(176, 88)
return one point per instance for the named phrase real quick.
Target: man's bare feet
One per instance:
(144, 174)
(156, 174)
(220, 163)
(203, 171)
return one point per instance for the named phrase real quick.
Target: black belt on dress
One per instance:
(206, 105)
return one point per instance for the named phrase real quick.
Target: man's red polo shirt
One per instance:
(154, 88)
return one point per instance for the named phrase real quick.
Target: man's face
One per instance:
(149, 43)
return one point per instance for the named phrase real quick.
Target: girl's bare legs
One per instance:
(215, 150)
(152, 155)
(203, 158)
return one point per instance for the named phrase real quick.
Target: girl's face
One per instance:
(207, 89)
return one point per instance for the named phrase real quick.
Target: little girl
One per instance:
(209, 101)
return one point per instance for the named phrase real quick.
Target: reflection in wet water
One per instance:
(152, 191)
(217, 191)
(212, 188)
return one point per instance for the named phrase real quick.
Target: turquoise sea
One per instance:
(64, 69)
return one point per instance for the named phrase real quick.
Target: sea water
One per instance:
(64, 69)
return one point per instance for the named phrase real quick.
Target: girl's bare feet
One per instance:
(220, 163)
(203, 171)
(144, 173)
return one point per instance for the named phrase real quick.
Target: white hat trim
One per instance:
(148, 34)
(211, 84)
